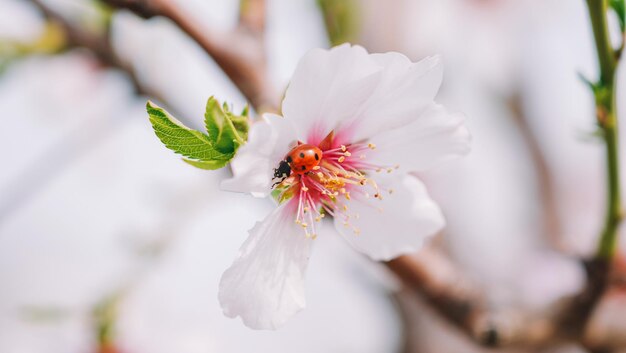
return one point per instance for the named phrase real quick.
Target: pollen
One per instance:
(318, 193)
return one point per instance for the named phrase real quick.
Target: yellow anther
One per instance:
(317, 167)
(318, 219)
(343, 148)
(363, 181)
(314, 236)
(304, 188)
(389, 170)
(304, 225)
(341, 159)
(306, 209)
(320, 175)
(371, 146)
(342, 190)
(347, 154)
(347, 195)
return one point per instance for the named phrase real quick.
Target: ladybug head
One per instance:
(283, 170)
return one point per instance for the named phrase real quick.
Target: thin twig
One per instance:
(607, 121)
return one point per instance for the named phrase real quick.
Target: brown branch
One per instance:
(571, 322)
(240, 53)
(430, 275)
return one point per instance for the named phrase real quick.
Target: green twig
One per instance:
(607, 120)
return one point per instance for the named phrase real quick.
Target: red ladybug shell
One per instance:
(303, 158)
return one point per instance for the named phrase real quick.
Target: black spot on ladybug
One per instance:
(301, 155)
(303, 167)
(289, 160)
(317, 158)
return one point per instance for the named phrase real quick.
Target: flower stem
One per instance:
(604, 92)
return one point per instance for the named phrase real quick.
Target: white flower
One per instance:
(355, 124)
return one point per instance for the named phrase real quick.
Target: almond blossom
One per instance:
(354, 126)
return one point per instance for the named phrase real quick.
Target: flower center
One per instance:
(325, 187)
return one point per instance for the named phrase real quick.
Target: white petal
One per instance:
(405, 91)
(435, 137)
(265, 284)
(395, 225)
(268, 142)
(346, 88)
(329, 87)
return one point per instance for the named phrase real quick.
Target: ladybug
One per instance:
(300, 160)
(303, 158)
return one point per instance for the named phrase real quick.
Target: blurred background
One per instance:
(109, 243)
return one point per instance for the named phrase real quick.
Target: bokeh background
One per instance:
(106, 235)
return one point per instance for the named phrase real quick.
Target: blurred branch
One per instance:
(445, 289)
(441, 290)
(99, 45)
(548, 206)
(239, 53)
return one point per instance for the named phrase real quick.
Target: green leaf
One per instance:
(220, 126)
(183, 140)
(620, 10)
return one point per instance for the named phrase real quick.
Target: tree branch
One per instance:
(445, 289)
(240, 54)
